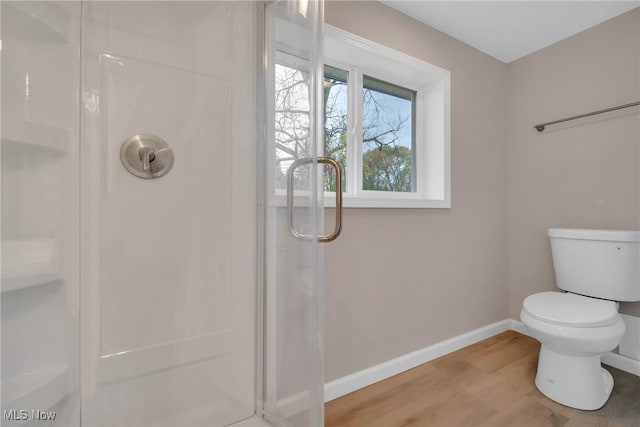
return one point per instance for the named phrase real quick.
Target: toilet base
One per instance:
(576, 381)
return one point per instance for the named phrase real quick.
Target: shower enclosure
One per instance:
(160, 212)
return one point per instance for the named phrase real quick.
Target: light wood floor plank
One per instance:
(490, 383)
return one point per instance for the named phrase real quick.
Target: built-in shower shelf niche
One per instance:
(41, 22)
(27, 263)
(39, 389)
(28, 137)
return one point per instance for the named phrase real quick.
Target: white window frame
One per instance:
(432, 120)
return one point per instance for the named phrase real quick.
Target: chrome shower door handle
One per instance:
(338, 224)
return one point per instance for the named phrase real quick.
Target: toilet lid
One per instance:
(569, 309)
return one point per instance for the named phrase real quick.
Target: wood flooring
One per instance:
(490, 383)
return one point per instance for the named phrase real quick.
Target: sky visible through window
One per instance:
(335, 126)
(388, 134)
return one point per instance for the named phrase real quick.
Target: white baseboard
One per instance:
(382, 371)
(621, 362)
(518, 326)
(360, 379)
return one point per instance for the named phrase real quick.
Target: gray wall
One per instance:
(400, 280)
(584, 173)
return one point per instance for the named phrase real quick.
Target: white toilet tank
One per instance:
(598, 263)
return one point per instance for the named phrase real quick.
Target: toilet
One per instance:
(596, 268)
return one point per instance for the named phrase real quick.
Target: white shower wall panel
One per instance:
(166, 240)
(169, 272)
(40, 224)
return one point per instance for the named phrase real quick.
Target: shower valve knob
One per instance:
(146, 156)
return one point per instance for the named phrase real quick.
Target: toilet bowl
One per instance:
(574, 331)
(596, 268)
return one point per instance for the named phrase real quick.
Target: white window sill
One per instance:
(385, 202)
(392, 201)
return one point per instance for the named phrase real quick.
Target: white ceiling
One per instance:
(508, 30)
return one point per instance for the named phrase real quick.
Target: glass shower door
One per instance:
(129, 292)
(293, 281)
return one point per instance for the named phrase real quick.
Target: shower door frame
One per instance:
(266, 381)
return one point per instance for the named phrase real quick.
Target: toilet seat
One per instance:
(567, 309)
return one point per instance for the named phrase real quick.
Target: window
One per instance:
(291, 114)
(335, 122)
(386, 123)
(387, 136)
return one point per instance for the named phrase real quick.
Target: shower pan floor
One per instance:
(252, 422)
